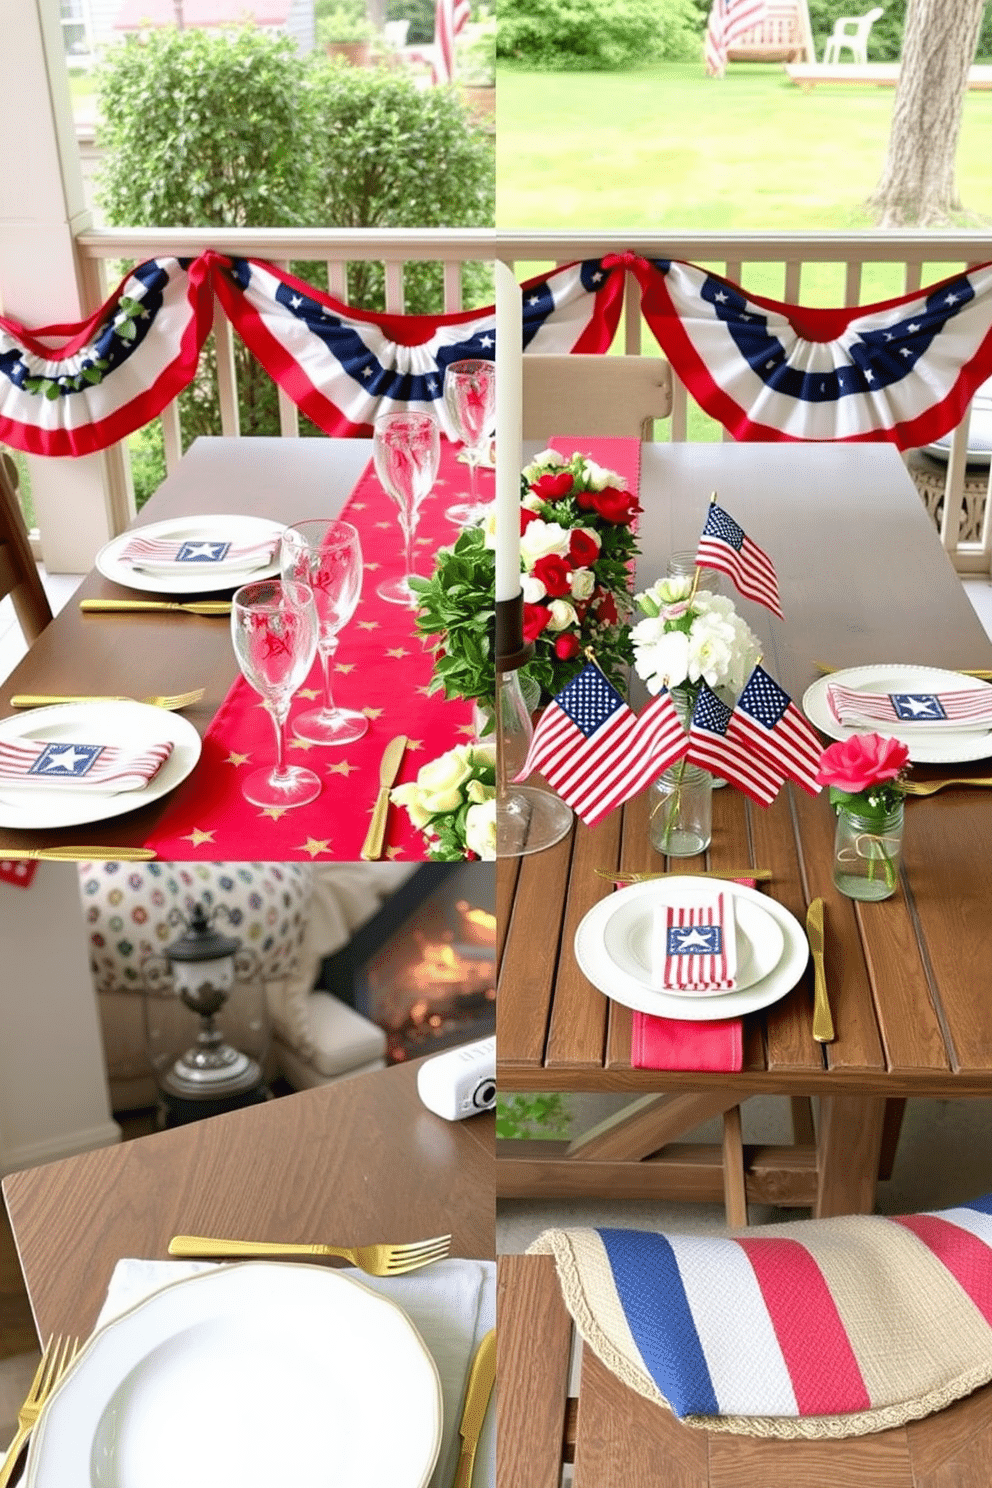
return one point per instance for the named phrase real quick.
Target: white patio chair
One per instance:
(599, 396)
(850, 33)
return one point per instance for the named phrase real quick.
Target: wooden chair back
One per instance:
(598, 396)
(18, 571)
(782, 35)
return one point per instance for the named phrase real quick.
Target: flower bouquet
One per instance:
(453, 802)
(866, 776)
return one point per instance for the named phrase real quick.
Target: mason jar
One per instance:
(683, 565)
(681, 805)
(867, 850)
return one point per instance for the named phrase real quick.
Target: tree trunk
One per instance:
(918, 188)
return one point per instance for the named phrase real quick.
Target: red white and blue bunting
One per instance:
(903, 370)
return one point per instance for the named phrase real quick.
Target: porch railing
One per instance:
(962, 510)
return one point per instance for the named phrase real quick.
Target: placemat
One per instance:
(382, 667)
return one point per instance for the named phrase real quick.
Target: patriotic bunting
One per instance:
(768, 721)
(595, 751)
(726, 547)
(714, 747)
(818, 1328)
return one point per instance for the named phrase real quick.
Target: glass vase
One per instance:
(681, 820)
(867, 850)
(528, 819)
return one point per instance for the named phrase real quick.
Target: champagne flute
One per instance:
(470, 398)
(274, 630)
(326, 556)
(406, 448)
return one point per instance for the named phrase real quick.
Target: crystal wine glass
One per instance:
(406, 448)
(274, 630)
(470, 398)
(326, 556)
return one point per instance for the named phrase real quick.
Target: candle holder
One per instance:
(528, 819)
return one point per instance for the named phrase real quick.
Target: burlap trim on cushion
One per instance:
(585, 1311)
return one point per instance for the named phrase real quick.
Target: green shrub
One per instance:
(596, 35)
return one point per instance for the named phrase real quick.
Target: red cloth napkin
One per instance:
(382, 666)
(673, 1044)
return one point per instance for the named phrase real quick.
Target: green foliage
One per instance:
(456, 607)
(147, 454)
(420, 14)
(596, 35)
(347, 21)
(520, 1117)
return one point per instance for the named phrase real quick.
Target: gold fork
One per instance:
(377, 1260)
(172, 701)
(56, 1357)
(931, 787)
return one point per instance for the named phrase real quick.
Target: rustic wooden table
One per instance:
(351, 1163)
(863, 578)
(134, 655)
(615, 1438)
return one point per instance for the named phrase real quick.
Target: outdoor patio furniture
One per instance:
(18, 570)
(782, 35)
(900, 973)
(595, 395)
(850, 34)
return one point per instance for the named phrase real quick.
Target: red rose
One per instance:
(583, 550)
(606, 609)
(536, 618)
(619, 507)
(554, 573)
(553, 487)
(587, 500)
(864, 760)
(526, 517)
(567, 646)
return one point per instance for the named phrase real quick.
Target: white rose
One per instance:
(483, 756)
(661, 658)
(477, 791)
(480, 830)
(562, 615)
(530, 502)
(534, 591)
(583, 583)
(441, 779)
(597, 479)
(488, 525)
(539, 539)
(409, 796)
(546, 460)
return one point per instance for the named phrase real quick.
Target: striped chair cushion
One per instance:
(832, 1327)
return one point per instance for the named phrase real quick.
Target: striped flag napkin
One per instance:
(181, 556)
(818, 1328)
(968, 709)
(695, 945)
(102, 768)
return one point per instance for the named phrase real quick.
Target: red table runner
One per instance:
(382, 667)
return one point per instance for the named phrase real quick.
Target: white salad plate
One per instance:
(940, 745)
(198, 578)
(245, 1377)
(617, 960)
(135, 725)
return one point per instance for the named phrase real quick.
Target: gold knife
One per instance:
(823, 1023)
(78, 854)
(123, 606)
(760, 875)
(481, 1377)
(392, 758)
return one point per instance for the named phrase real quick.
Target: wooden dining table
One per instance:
(863, 579)
(137, 655)
(351, 1163)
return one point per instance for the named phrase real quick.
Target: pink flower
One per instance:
(864, 760)
(675, 611)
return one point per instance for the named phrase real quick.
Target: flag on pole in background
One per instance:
(726, 547)
(450, 17)
(728, 20)
(595, 751)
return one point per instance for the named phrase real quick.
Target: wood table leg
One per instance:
(533, 1351)
(848, 1146)
(734, 1196)
(895, 1110)
(645, 1126)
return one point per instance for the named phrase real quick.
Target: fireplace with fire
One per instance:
(424, 967)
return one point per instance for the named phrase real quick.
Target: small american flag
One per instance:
(713, 748)
(450, 18)
(596, 752)
(726, 546)
(698, 951)
(766, 719)
(970, 706)
(728, 20)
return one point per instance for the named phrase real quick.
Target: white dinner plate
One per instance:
(199, 579)
(129, 724)
(939, 746)
(629, 932)
(596, 962)
(245, 1377)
